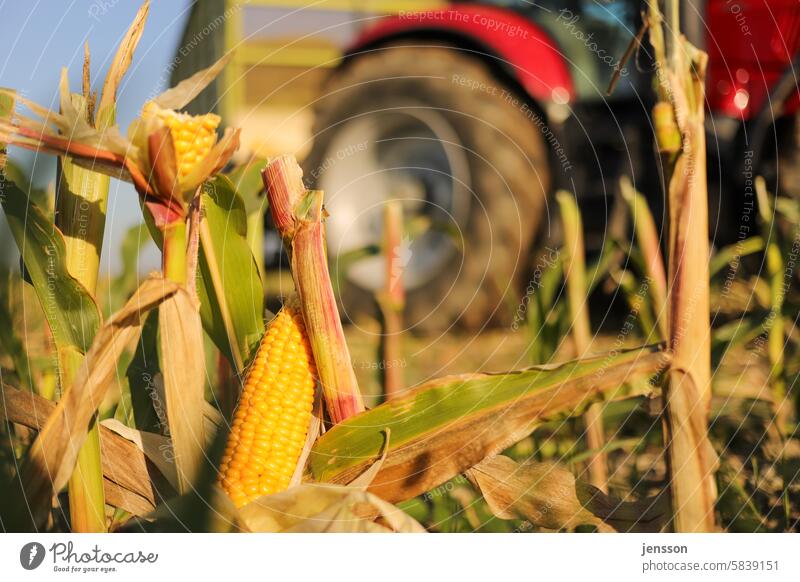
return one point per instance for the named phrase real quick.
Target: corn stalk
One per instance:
(82, 197)
(297, 215)
(180, 340)
(168, 178)
(392, 299)
(775, 323)
(578, 300)
(81, 215)
(73, 247)
(679, 120)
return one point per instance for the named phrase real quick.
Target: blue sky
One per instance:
(39, 37)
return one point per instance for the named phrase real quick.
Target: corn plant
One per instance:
(165, 155)
(776, 325)
(575, 275)
(680, 135)
(391, 299)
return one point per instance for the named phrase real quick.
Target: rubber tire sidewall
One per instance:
(508, 167)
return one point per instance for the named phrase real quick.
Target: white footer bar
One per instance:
(415, 558)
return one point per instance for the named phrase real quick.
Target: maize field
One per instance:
(176, 401)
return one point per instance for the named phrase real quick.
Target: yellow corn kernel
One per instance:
(271, 422)
(192, 135)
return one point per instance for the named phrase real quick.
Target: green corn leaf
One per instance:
(231, 295)
(17, 174)
(247, 182)
(546, 313)
(70, 309)
(735, 504)
(249, 185)
(446, 426)
(733, 252)
(81, 203)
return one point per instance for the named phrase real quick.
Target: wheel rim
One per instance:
(409, 154)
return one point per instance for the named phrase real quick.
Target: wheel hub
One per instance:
(411, 154)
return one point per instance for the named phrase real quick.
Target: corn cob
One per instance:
(192, 135)
(271, 422)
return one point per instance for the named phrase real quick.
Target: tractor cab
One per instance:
(592, 37)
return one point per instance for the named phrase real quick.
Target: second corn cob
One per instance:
(271, 422)
(192, 135)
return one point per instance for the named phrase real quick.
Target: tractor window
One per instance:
(593, 34)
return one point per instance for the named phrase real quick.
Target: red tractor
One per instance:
(473, 113)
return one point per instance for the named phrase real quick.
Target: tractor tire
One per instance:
(494, 159)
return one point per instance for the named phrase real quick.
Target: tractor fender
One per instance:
(523, 50)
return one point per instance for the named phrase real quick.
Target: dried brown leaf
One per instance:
(181, 353)
(122, 60)
(157, 448)
(130, 482)
(184, 92)
(549, 496)
(317, 508)
(314, 430)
